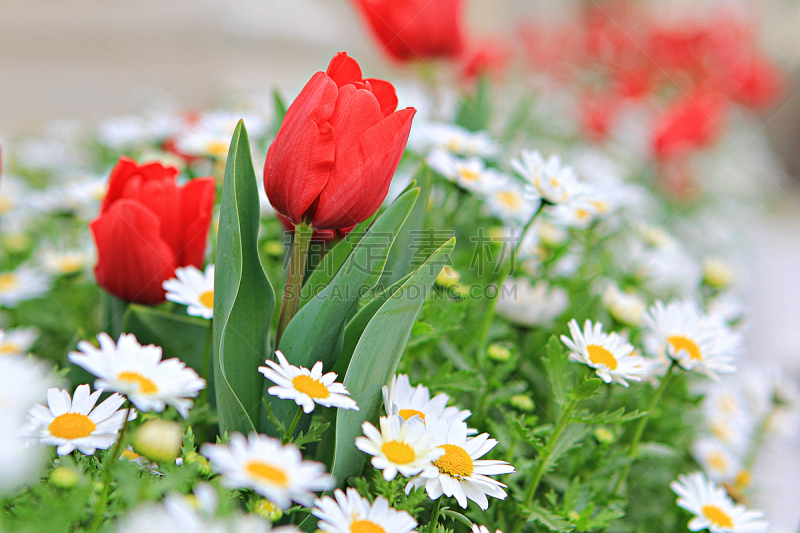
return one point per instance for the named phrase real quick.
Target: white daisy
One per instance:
(22, 284)
(531, 304)
(350, 513)
(210, 134)
(717, 460)
(455, 139)
(695, 341)
(460, 473)
(399, 398)
(17, 340)
(277, 472)
(713, 508)
(470, 174)
(609, 354)
(75, 423)
(63, 262)
(23, 382)
(306, 387)
(194, 289)
(21, 462)
(399, 446)
(508, 202)
(482, 529)
(625, 306)
(139, 373)
(548, 178)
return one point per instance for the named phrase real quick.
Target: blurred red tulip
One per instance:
(338, 148)
(416, 29)
(690, 123)
(489, 57)
(147, 227)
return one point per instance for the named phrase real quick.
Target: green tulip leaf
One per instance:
(243, 297)
(376, 357)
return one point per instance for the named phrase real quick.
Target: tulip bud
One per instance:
(158, 440)
(337, 150)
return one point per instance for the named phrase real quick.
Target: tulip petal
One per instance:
(386, 95)
(132, 259)
(197, 207)
(360, 180)
(343, 70)
(124, 169)
(301, 156)
(356, 111)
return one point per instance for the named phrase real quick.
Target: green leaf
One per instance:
(183, 337)
(614, 417)
(476, 109)
(325, 315)
(586, 389)
(555, 363)
(280, 111)
(549, 519)
(376, 357)
(457, 516)
(243, 297)
(408, 250)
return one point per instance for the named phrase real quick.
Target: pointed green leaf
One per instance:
(376, 357)
(243, 297)
(555, 363)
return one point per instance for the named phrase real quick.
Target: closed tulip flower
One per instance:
(416, 29)
(338, 147)
(147, 227)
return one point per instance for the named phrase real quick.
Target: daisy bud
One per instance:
(717, 272)
(64, 477)
(266, 509)
(604, 435)
(448, 277)
(201, 462)
(522, 402)
(159, 440)
(498, 353)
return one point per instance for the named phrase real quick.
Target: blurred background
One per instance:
(68, 64)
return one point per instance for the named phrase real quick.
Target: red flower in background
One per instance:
(489, 57)
(416, 29)
(690, 123)
(147, 227)
(338, 148)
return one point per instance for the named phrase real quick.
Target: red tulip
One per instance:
(319, 235)
(691, 123)
(338, 147)
(416, 29)
(147, 227)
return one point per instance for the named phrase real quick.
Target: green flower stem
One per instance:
(505, 268)
(435, 515)
(544, 458)
(294, 278)
(287, 437)
(205, 364)
(111, 460)
(758, 439)
(637, 434)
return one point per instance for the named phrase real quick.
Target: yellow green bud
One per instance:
(498, 352)
(522, 402)
(158, 440)
(64, 477)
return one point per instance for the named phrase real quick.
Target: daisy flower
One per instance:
(306, 387)
(400, 398)
(23, 382)
(548, 178)
(139, 373)
(611, 357)
(627, 307)
(18, 340)
(531, 304)
(454, 139)
(470, 174)
(482, 529)
(277, 472)
(713, 508)
(507, 200)
(716, 460)
(24, 283)
(75, 423)
(460, 472)
(64, 262)
(695, 341)
(350, 512)
(194, 289)
(399, 446)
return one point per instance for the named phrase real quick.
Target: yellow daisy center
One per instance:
(554, 182)
(743, 478)
(721, 430)
(455, 144)
(582, 214)
(509, 200)
(310, 386)
(468, 175)
(717, 516)
(5, 204)
(455, 462)
(8, 282)
(217, 148)
(266, 472)
(9, 347)
(398, 452)
(679, 342)
(365, 526)
(71, 426)
(408, 413)
(68, 265)
(207, 299)
(129, 455)
(600, 356)
(145, 385)
(717, 461)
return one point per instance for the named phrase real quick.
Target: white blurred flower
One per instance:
(22, 284)
(505, 199)
(627, 307)
(62, 261)
(548, 178)
(194, 289)
(18, 340)
(210, 134)
(452, 138)
(717, 460)
(470, 174)
(531, 305)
